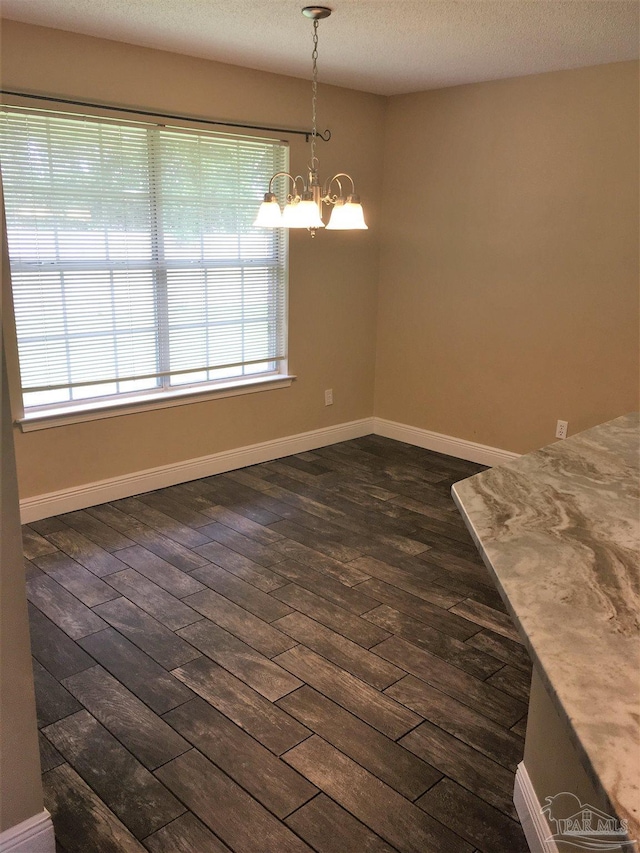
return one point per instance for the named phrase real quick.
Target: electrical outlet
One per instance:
(562, 427)
(328, 397)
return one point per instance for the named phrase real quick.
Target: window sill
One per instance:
(179, 397)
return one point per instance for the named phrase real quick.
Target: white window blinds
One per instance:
(135, 266)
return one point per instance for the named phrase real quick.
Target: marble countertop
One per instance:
(560, 531)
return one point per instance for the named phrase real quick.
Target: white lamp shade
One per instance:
(289, 216)
(347, 216)
(269, 215)
(302, 214)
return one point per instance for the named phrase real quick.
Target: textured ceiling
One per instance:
(383, 46)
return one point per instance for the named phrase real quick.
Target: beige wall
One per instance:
(332, 281)
(551, 759)
(20, 784)
(509, 260)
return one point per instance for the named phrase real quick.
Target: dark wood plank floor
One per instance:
(302, 655)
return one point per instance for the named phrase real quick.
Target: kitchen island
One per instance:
(559, 529)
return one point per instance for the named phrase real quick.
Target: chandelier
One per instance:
(303, 208)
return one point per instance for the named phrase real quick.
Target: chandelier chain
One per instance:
(314, 91)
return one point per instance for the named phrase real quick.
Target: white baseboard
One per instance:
(448, 444)
(535, 827)
(90, 494)
(33, 835)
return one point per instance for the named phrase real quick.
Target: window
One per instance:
(135, 267)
